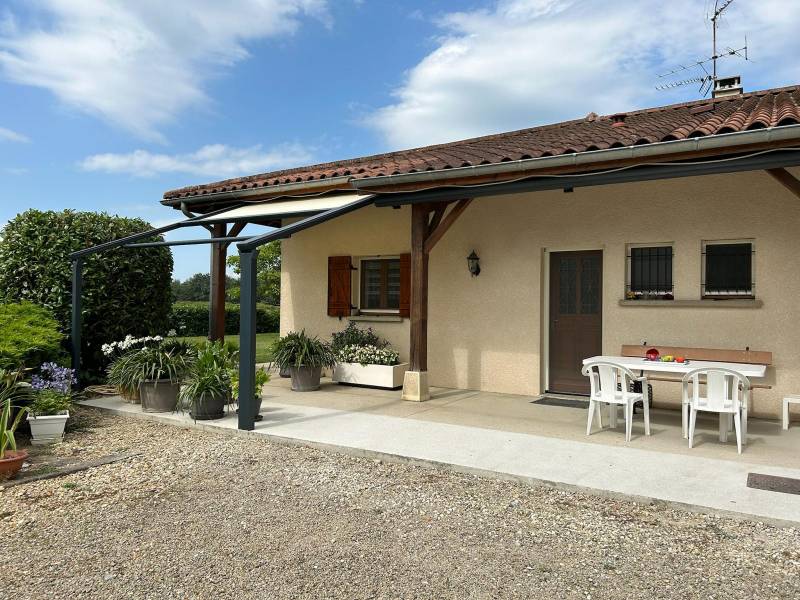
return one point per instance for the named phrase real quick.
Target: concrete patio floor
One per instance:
(507, 436)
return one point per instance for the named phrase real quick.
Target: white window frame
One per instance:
(357, 285)
(744, 295)
(629, 260)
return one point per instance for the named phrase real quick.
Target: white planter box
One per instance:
(382, 376)
(47, 429)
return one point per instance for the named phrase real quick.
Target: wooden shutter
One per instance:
(405, 285)
(339, 280)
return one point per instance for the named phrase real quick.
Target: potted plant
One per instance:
(114, 350)
(207, 386)
(11, 389)
(155, 371)
(369, 366)
(49, 410)
(262, 378)
(47, 417)
(304, 356)
(364, 358)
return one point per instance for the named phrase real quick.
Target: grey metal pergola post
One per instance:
(77, 322)
(247, 338)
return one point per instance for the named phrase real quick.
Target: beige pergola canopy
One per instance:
(281, 208)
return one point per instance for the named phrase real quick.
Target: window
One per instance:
(728, 269)
(649, 272)
(380, 285)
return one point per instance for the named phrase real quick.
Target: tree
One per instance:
(268, 274)
(198, 287)
(126, 290)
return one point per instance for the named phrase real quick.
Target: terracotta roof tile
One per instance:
(768, 108)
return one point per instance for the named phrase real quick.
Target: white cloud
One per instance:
(213, 160)
(138, 64)
(15, 170)
(12, 136)
(528, 62)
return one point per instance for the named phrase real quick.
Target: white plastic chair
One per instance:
(610, 384)
(726, 392)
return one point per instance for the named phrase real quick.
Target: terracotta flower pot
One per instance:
(132, 397)
(11, 463)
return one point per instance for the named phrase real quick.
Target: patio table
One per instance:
(642, 364)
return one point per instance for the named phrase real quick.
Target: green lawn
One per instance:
(263, 342)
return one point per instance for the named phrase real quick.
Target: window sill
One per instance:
(721, 303)
(377, 318)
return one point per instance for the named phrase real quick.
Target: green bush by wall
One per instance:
(29, 336)
(191, 318)
(126, 291)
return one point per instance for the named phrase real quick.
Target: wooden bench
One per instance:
(747, 356)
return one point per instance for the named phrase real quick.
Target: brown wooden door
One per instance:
(576, 313)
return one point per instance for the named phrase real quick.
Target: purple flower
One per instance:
(53, 377)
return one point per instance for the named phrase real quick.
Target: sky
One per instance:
(106, 104)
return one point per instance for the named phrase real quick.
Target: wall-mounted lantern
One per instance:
(473, 262)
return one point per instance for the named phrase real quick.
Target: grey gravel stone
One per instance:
(207, 515)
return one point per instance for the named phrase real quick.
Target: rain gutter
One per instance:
(580, 160)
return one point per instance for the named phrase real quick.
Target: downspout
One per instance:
(185, 210)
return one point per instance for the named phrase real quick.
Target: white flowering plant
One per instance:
(368, 355)
(130, 343)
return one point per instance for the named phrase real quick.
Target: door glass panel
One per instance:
(567, 286)
(590, 285)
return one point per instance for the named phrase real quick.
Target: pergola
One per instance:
(435, 207)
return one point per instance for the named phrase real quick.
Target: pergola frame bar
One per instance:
(193, 242)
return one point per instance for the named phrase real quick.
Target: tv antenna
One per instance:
(706, 80)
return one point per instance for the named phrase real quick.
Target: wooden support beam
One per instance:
(216, 313)
(236, 229)
(419, 288)
(438, 213)
(786, 179)
(446, 222)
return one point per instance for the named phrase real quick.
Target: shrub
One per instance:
(126, 290)
(191, 318)
(352, 335)
(29, 335)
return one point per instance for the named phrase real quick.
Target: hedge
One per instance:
(191, 318)
(29, 336)
(126, 291)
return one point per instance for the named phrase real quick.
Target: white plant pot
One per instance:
(47, 429)
(381, 376)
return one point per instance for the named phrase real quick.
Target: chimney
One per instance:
(727, 86)
(618, 120)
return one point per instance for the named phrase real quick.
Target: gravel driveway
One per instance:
(209, 515)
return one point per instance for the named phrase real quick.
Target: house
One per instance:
(676, 225)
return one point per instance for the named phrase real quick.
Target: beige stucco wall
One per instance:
(487, 332)
(304, 269)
